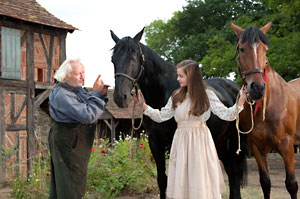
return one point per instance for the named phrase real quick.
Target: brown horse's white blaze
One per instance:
(253, 57)
(280, 130)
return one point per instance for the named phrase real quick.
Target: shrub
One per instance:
(122, 166)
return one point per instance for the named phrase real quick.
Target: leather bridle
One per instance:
(243, 73)
(135, 80)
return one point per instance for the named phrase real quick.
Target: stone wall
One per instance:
(42, 125)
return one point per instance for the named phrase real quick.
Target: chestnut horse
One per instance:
(277, 107)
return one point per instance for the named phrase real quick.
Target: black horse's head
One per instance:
(128, 63)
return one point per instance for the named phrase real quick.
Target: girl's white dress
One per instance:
(194, 167)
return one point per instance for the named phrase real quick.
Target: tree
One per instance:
(202, 32)
(284, 54)
(219, 59)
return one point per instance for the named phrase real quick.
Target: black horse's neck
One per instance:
(158, 80)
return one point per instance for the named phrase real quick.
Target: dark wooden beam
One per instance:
(107, 123)
(41, 98)
(44, 85)
(12, 83)
(16, 127)
(12, 108)
(24, 37)
(2, 133)
(62, 48)
(113, 129)
(21, 108)
(50, 57)
(30, 97)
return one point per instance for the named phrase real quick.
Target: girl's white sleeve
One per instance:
(162, 115)
(219, 109)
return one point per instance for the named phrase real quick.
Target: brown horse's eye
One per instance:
(242, 50)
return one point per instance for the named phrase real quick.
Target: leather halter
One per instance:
(135, 80)
(248, 72)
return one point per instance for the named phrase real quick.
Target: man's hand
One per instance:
(100, 86)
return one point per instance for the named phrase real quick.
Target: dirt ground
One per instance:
(253, 189)
(277, 175)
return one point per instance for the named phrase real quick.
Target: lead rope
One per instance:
(133, 128)
(238, 121)
(252, 120)
(132, 115)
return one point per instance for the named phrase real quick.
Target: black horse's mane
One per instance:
(126, 46)
(122, 45)
(252, 34)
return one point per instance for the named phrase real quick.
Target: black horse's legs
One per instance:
(158, 152)
(232, 164)
(234, 177)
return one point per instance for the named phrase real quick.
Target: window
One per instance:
(10, 53)
(40, 75)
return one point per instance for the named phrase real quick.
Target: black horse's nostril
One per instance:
(125, 97)
(252, 86)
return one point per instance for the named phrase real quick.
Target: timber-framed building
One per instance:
(32, 46)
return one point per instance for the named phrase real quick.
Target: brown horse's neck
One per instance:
(274, 80)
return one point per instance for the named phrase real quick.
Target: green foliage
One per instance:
(202, 32)
(284, 55)
(124, 166)
(164, 37)
(187, 34)
(37, 185)
(218, 61)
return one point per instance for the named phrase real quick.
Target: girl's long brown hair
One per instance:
(195, 87)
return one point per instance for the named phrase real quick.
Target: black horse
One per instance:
(136, 63)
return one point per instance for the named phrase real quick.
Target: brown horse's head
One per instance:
(251, 49)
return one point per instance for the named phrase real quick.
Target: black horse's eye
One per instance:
(242, 50)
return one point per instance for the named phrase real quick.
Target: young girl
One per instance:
(194, 168)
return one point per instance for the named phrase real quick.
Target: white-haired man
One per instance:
(75, 112)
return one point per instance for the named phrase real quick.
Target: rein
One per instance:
(237, 121)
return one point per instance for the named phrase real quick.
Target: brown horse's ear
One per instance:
(238, 31)
(266, 27)
(114, 37)
(138, 36)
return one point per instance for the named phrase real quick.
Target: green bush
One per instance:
(122, 166)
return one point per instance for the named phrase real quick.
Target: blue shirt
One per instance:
(75, 105)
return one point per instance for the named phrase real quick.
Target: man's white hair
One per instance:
(65, 69)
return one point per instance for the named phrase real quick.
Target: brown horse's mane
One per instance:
(252, 34)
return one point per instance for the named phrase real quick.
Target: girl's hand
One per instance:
(243, 96)
(139, 100)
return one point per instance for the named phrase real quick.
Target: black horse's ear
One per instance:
(114, 37)
(138, 36)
